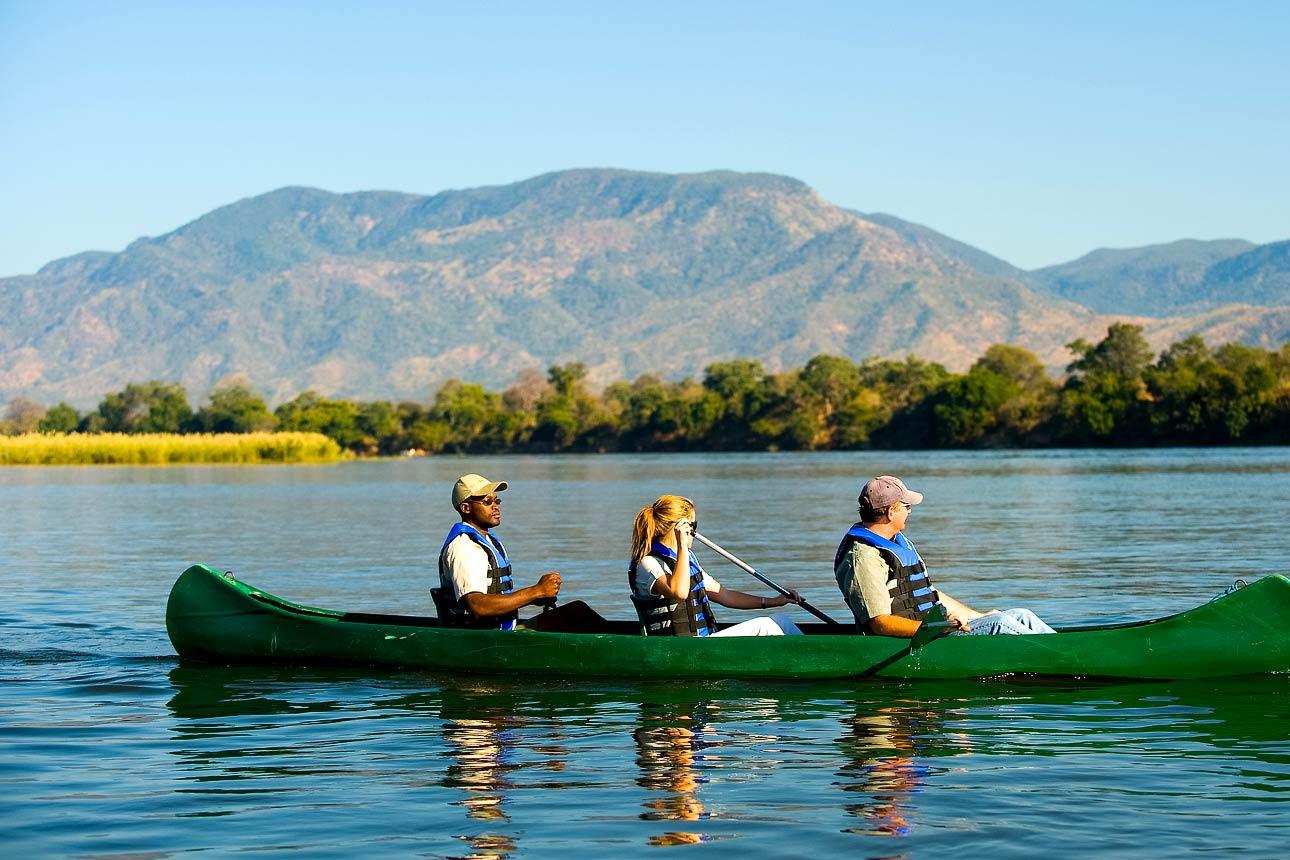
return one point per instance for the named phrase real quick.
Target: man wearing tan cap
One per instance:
(474, 569)
(885, 581)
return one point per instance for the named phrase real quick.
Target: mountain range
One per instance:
(386, 295)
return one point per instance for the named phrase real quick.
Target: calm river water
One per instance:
(110, 748)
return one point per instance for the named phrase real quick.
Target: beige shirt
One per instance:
(866, 582)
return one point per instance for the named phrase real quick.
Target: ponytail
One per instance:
(642, 534)
(655, 521)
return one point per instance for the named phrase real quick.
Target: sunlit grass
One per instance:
(67, 449)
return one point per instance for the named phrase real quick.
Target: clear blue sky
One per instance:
(1033, 131)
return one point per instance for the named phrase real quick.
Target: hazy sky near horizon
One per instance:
(1033, 131)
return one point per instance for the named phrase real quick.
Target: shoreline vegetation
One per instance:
(1114, 393)
(64, 449)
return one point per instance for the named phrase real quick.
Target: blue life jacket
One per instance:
(662, 615)
(499, 579)
(910, 588)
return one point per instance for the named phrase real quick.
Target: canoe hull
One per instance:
(213, 618)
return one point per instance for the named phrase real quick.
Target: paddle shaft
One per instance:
(765, 580)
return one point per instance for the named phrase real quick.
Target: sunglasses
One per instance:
(486, 502)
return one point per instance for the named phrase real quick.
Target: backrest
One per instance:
(443, 607)
(642, 606)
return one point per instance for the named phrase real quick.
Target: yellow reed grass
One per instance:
(66, 449)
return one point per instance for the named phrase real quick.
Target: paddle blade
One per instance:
(936, 623)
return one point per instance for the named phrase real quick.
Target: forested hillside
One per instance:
(388, 295)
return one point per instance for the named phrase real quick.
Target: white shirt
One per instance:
(468, 564)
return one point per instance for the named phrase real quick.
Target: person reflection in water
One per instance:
(483, 756)
(882, 749)
(669, 751)
(485, 744)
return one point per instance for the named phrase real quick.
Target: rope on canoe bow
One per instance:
(1234, 587)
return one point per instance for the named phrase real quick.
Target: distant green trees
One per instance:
(234, 408)
(149, 407)
(1106, 393)
(60, 419)
(1233, 393)
(1114, 392)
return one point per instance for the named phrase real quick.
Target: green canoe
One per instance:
(213, 618)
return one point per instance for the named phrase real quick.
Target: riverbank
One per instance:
(76, 449)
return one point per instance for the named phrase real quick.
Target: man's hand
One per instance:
(543, 592)
(956, 620)
(958, 613)
(548, 586)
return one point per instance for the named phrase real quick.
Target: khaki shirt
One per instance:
(866, 582)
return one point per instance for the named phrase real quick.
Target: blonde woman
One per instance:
(673, 595)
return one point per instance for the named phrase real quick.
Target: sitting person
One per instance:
(673, 592)
(885, 581)
(475, 571)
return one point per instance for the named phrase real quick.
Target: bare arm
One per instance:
(893, 625)
(741, 600)
(676, 584)
(958, 613)
(483, 605)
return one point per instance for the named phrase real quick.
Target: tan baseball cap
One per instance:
(469, 486)
(885, 490)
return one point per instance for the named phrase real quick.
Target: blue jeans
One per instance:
(1008, 621)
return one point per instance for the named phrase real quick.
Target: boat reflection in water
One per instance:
(492, 767)
(671, 740)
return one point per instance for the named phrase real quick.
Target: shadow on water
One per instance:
(485, 743)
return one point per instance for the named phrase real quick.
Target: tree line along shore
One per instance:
(1114, 393)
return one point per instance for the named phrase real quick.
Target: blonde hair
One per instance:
(657, 520)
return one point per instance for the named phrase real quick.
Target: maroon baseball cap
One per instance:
(885, 490)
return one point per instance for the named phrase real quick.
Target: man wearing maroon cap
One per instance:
(885, 581)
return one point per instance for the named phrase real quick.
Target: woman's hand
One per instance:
(781, 600)
(684, 535)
